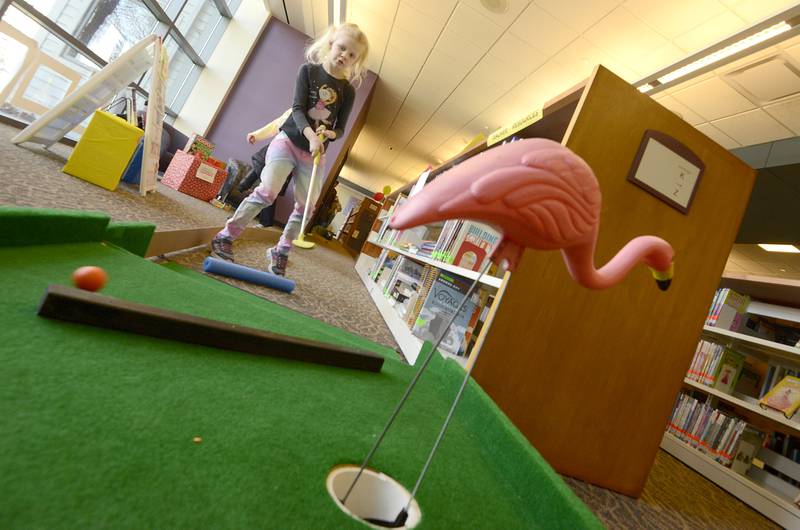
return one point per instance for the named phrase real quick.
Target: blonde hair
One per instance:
(320, 48)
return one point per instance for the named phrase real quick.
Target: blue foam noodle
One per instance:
(240, 272)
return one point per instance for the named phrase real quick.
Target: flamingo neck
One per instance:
(649, 250)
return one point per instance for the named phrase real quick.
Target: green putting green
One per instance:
(98, 426)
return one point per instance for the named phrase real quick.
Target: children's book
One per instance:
(728, 370)
(446, 293)
(475, 242)
(784, 397)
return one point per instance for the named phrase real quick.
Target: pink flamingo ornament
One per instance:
(543, 196)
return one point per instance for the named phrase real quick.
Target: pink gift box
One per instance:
(190, 174)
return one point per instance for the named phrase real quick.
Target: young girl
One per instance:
(323, 97)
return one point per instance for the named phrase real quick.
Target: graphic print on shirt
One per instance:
(319, 112)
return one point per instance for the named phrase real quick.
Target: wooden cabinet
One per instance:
(358, 225)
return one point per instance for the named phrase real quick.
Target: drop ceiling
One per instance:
(451, 70)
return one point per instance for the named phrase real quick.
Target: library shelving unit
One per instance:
(409, 344)
(763, 492)
(590, 377)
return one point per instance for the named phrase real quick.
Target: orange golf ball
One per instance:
(89, 278)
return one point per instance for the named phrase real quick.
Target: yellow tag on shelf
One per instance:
(504, 132)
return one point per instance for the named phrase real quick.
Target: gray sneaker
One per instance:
(222, 248)
(276, 262)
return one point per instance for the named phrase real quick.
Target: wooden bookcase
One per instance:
(590, 377)
(358, 225)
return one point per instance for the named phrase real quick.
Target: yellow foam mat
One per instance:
(104, 150)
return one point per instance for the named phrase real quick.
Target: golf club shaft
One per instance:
(414, 382)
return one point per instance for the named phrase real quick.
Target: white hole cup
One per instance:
(376, 496)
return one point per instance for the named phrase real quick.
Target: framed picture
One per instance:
(668, 169)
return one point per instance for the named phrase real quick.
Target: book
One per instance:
(474, 244)
(728, 309)
(784, 397)
(728, 370)
(446, 294)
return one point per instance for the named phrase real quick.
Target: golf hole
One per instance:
(375, 498)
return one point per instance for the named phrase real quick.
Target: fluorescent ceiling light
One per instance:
(727, 51)
(779, 248)
(646, 88)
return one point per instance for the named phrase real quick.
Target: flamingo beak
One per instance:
(663, 278)
(421, 209)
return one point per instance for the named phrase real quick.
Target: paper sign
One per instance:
(206, 172)
(519, 124)
(667, 169)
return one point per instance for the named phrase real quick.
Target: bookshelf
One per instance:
(492, 281)
(748, 404)
(408, 343)
(368, 263)
(763, 491)
(747, 342)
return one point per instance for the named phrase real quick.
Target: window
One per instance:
(53, 47)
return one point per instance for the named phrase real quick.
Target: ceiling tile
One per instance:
(768, 80)
(752, 127)
(471, 24)
(581, 55)
(414, 22)
(459, 47)
(787, 112)
(793, 52)
(517, 53)
(635, 41)
(578, 16)
(718, 136)
(660, 58)
(710, 32)
(504, 18)
(686, 114)
(542, 31)
(670, 18)
(713, 99)
(437, 11)
(756, 10)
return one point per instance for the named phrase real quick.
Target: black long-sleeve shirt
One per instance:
(319, 99)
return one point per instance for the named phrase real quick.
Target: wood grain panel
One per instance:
(590, 377)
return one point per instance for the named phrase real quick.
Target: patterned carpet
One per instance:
(329, 289)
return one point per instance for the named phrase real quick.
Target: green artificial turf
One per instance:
(97, 425)
(40, 226)
(132, 236)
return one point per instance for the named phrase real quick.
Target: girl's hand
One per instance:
(251, 138)
(315, 146)
(330, 135)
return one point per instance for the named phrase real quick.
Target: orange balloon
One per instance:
(89, 278)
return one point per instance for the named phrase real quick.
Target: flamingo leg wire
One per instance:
(408, 390)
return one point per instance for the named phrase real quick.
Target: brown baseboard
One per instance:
(167, 241)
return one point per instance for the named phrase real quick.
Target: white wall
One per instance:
(222, 67)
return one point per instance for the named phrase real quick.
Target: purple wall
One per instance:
(263, 90)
